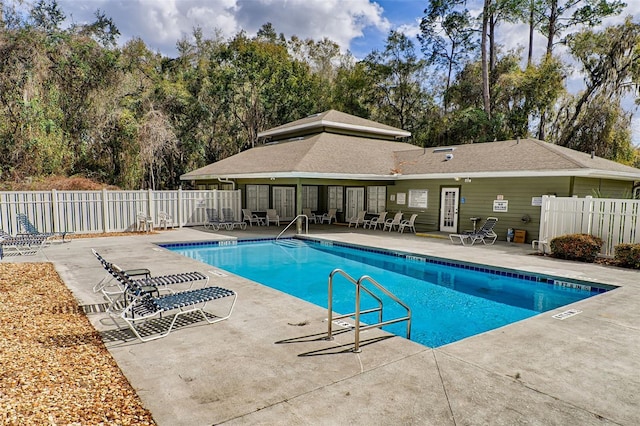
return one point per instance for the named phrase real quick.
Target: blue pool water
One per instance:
(449, 301)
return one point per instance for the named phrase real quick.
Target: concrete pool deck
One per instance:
(269, 364)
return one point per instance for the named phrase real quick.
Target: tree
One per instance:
(397, 73)
(446, 37)
(608, 60)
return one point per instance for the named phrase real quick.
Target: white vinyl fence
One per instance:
(110, 211)
(615, 221)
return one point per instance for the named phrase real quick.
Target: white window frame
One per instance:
(376, 199)
(335, 197)
(310, 197)
(257, 197)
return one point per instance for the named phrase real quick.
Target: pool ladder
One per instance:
(358, 311)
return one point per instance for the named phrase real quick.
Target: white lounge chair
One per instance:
(409, 224)
(484, 234)
(165, 220)
(273, 217)
(373, 223)
(394, 223)
(249, 216)
(312, 217)
(329, 216)
(358, 219)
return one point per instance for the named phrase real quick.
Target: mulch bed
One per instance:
(55, 368)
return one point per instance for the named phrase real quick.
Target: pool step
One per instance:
(289, 242)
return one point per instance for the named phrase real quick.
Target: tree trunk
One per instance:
(532, 26)
(486, 98)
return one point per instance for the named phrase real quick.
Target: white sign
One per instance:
(418, 198)
(500, 205)
(401, 198)
(536, 201)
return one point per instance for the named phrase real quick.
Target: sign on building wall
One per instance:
(401, 198)
(500, 205)
(418, 198)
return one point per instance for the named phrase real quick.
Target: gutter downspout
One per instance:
(225, 180)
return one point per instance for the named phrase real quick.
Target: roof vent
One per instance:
(446, 149)
(448, 157)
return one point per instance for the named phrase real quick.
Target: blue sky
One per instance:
(356, 25)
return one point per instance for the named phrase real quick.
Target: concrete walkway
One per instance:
(269, 364)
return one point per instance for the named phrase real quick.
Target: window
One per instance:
(335, 197)
(376, 199)
(258, 197)
(310, 197)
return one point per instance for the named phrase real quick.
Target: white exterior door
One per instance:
(449, 199)
(355, 202)
(284, 201)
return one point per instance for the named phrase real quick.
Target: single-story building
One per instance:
(336, 160)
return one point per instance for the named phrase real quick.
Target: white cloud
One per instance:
(161, 23)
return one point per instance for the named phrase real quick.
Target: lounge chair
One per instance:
(312, 217)
(29, 228)
(373, 223)
(21, 244)
(249, 216)
(145, 308)
(213, 220)
(272, 217)
(229, 219)
(358, 219)
(329, 216)
(484, 234)
(410, 224)
(391, 224)
(114, 291)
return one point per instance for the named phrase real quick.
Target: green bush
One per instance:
(582, 247)
(627, 255)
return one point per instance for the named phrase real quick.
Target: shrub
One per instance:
(628, 255)
(582, 247)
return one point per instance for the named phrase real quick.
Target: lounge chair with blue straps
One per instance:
(28, 228)
(113, 289)
(143, 313)
(21, 244)
(484, 234)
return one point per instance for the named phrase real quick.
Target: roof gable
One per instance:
(333, 121)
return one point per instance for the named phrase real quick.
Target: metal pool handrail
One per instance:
(359, 286)
(291, 223)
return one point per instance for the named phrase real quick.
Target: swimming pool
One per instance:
(449, 300)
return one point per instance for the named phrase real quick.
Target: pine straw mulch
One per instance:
(55, 368)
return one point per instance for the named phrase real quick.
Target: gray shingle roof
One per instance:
(523, 156)
(324, 153)
(337, 120)
(333, 155)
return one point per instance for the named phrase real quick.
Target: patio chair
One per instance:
(144, 222)
(141, 314)
(165, 220)
(312, 217)
(272, 216)
(229, 219)
(373, 223)
(484, 234)
(21, 244)
(249, 216)
(114, 291)
(410, 224)
(391, 224)
(29, 228)
(329, 216)
(358, 219)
